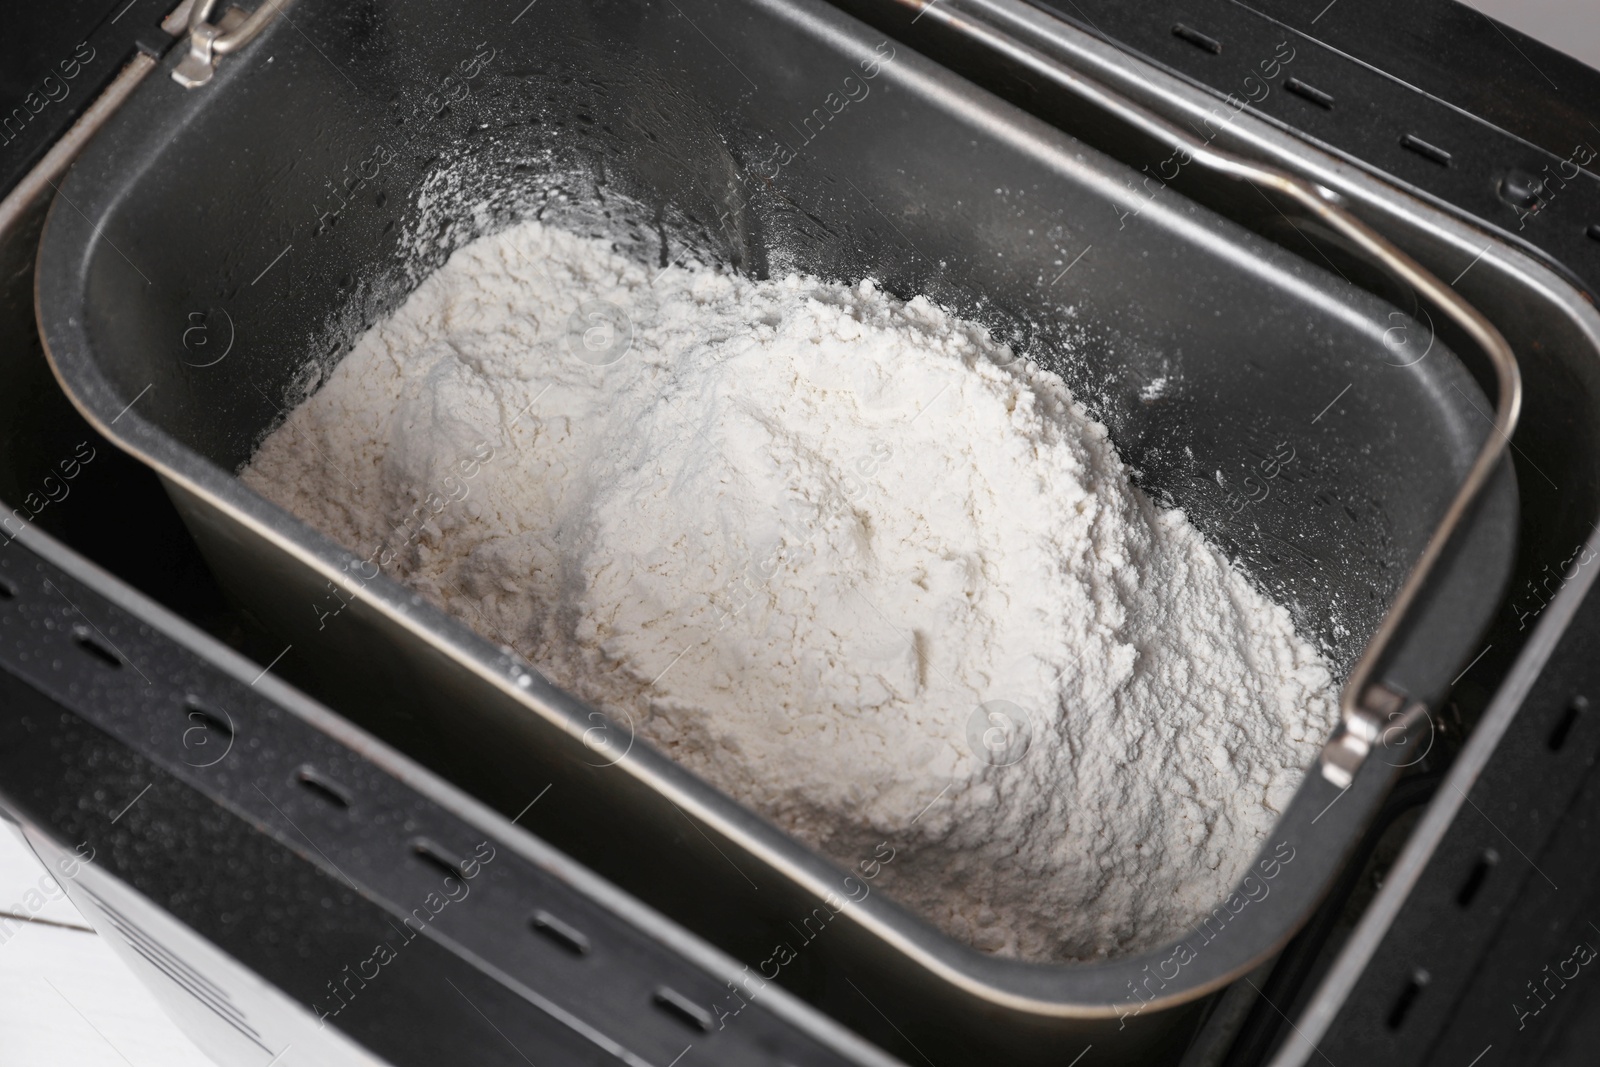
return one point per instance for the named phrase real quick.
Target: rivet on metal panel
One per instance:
(1522, 190)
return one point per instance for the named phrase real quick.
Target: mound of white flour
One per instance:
(846, 558)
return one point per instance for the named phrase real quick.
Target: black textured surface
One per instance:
(55, 58)
(298, 856)
(1436, 96)
(1512, 887)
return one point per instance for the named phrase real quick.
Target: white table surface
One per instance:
(1570, 26)
(65, 997)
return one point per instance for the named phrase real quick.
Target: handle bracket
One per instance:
(210, 41)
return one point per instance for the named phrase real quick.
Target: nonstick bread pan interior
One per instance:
(333, 163)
